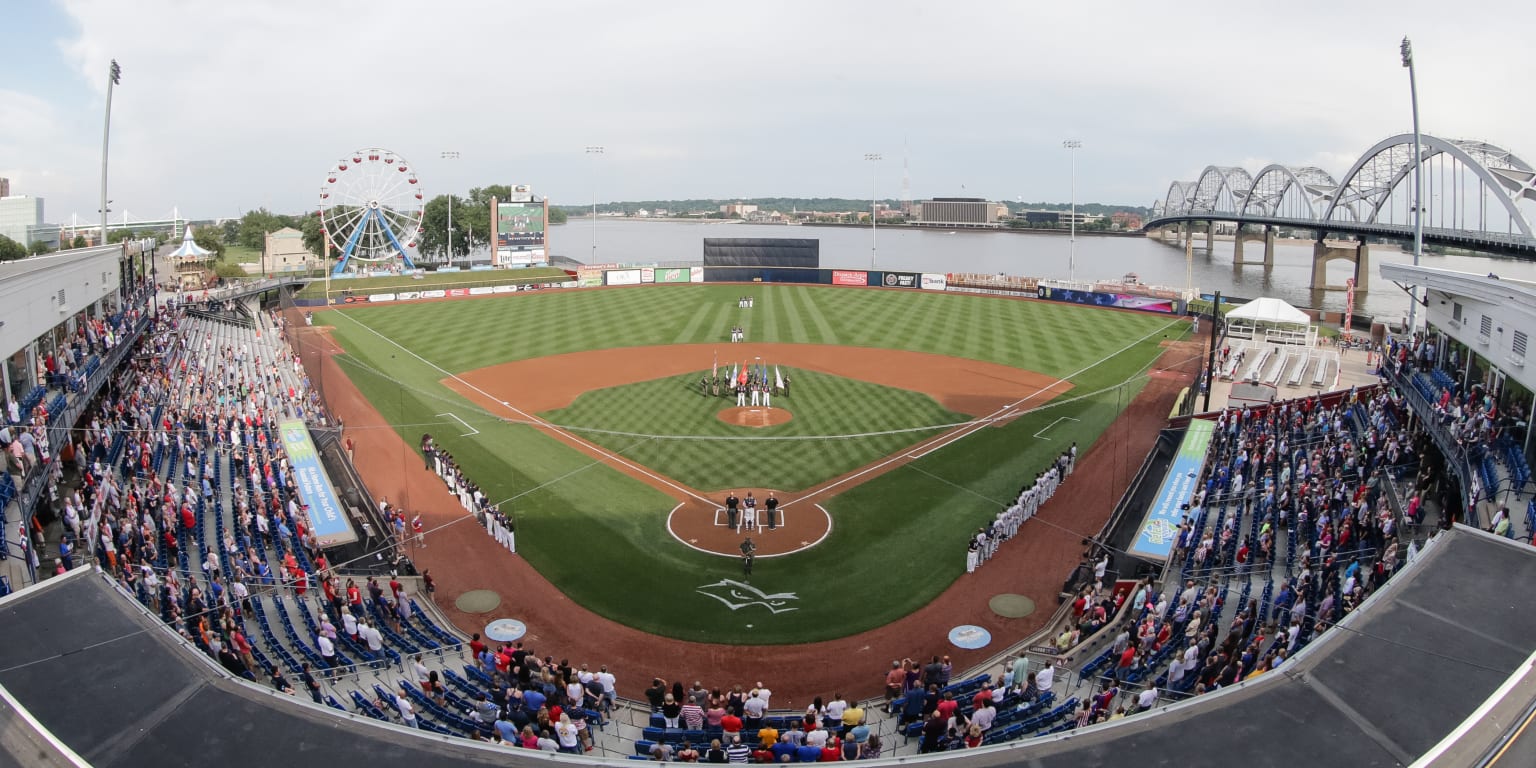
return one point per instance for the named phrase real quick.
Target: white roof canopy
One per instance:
(190, 250)
(1268, 310)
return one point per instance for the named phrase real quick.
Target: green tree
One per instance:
(120, 235)
(556, 215)
(10, 250)
(231, 229)
(255, 225)
(211, 238)
(432, 242)
(313, 241)
(79, 242)
(39, 248)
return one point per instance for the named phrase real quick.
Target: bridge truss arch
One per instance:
(1176, 201)
(1464, 181)
(1220, 189)
(1282, 191)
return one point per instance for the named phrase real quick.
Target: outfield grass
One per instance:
(822, 404)
(363, 286)
(902, 535)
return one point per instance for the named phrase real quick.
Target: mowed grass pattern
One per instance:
(1047, 337)
(752, 457)
(902, 533)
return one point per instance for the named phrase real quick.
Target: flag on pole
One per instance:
(778, 378)
(742, 378)
(714, 370)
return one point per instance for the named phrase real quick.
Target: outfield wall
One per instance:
(612, 275)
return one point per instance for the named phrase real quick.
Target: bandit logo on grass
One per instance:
(736, 595)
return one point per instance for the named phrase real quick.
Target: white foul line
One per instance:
(472, 430)
(963, 431)
(1058, 420)
(534, 420)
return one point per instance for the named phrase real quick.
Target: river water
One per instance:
(1045, 255)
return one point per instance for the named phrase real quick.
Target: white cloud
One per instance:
(225, 106)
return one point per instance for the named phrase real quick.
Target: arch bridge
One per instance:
(1476, 196)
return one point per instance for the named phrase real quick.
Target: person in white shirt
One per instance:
(1147, 699)
(1045, 678)
(407, 711)
(835, 707)
(984, 716)
(327, 650)
(763, 693)
(753, 708)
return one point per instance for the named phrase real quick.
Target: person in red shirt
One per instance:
(832, 751)
(476, 647)
(730, 723)
(983, 695)
(948, 705)
(1127, 660)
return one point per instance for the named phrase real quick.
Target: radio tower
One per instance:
(906, 181)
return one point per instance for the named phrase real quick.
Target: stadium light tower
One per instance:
(451, 155)
(114, 76)
(593, 152)
(874, 215)
(1418, 182)
(1072, 146)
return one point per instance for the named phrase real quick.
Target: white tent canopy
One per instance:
(189, 250)
(1269, 311)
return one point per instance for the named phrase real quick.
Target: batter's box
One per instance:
(761, 522)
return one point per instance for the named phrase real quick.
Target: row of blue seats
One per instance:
(1514, 458)
(960, 690)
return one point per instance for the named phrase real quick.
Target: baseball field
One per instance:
(912, 418)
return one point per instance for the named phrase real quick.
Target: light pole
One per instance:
(874, 215)
(1072, 145)
(450, 155)
(593, 152)
(1418, 182)
(114, 75)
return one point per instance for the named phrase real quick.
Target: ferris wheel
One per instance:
(370, 208)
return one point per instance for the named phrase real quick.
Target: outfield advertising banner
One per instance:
(327, 519)
(674, 275)
(900, 280)
(647, 274)
(589, 277)
(622, 277)
(933, 281)
(695, 274)
(1119, 300)
(1160, 528)
(845, 277)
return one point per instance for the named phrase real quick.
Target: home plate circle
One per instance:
(506, 630)
(969, 637)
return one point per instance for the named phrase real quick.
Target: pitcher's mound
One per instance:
(754, 416)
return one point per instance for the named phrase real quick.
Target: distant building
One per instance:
(1058, 218)
(957, 212)
(737, 209)
(1125, 220)
(284, 251)
(5, 187)
(21, 219)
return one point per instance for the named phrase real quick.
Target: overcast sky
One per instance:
(227, 106)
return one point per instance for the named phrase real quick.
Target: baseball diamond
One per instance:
(915, 415)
